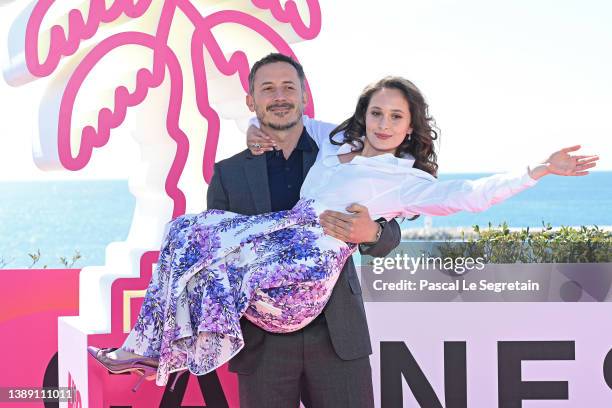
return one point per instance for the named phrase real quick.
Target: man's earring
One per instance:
(409, 136)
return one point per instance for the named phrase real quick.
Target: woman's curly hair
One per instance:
(424, 131)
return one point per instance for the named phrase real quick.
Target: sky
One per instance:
(508, 82)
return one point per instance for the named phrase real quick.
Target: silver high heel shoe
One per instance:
(176, 377)
(144, 366)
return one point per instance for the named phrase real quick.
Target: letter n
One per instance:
(396, 362)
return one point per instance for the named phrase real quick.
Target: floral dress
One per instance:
(278, 269)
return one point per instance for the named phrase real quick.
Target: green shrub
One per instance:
(564, 245)
(35, 258)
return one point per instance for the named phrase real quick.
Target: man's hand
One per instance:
(357, 227)
(258, 141)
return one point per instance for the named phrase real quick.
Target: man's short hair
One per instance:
(270, 59)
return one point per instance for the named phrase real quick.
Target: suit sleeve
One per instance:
(389, 239)
(216, 197)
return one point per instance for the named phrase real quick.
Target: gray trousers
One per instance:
(303, 365)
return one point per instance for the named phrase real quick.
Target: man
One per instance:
(326, 364)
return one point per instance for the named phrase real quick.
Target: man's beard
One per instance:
(284, 126)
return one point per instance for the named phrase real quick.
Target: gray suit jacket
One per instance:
(240, 185)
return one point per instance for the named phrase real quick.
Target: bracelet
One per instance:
(378, 233)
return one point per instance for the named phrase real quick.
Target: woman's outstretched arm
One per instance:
(423, 194)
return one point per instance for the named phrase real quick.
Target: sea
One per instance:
(62, 218)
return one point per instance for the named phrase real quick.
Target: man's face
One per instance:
(278, 99)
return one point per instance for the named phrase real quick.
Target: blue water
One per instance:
(59, 218)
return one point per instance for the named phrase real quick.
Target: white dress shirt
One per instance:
(389, 186)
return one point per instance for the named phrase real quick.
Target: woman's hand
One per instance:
(258, 141)
(562, 163)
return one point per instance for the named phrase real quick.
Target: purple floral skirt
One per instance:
(278, 269)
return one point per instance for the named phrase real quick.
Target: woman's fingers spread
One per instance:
(588, 159)
(585, 166)
(571, 148)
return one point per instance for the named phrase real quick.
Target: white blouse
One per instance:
(389, 186)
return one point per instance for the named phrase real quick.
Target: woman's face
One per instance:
(387, 122)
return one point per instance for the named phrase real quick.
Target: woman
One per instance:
(279, 269)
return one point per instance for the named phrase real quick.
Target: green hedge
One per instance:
(563, 245)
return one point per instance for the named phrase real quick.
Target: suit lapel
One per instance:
(309, 157)
(257, 177)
